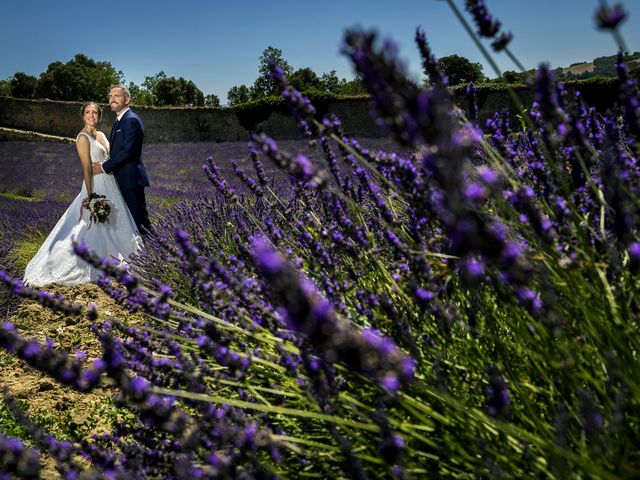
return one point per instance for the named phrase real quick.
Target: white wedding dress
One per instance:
(117, 238)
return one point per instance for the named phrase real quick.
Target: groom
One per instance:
(124, 161)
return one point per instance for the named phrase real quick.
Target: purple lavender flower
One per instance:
(333, 337)
(62, 451)
(472, 104)
(429, 61)
(58, 364)
(501, 41)
(18, 460)
(300, 166)
(475, 192)
(299, 104)
(497, 394)
(488, 176)
(412, 115)
(486, 24)
(473, 270)
(530, 300)
(634, 251)
(47, 299)
(608, 18)
(590, 417)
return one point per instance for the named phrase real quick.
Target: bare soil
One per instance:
(59, 409)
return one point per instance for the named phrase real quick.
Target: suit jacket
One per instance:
(125, 152)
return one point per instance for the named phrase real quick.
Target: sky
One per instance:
(217, 44)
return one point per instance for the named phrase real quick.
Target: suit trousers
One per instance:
(136, 201)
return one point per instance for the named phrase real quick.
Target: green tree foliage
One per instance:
(238, 94)
(81, 78)
(264, 85)
(161, 90)
(140, 96)
(352, 87)
(330, 81)
(177, 92)
(150, 83)
(22, 85)
(606, 66)
(340, 86)
(135, 90)
(460, 69)
(305, 79)
(515, 77)
(212, 100)
(5, 88)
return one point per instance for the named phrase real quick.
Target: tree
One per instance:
(81, 78)
(257, 90)
(238, 94)
(150, 83)
(305, 79)
(460, 70)
(140, 95)
(134, 90)
(330, 81)
(212, 100)
(167, 92)
(264, 85)
(192, 94)
(5, 88)
(514, 77)
(22, 85)
(352, 87)
(177, 91)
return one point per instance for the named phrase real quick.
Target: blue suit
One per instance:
(126, 164)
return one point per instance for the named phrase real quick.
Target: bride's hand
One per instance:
(84, 204)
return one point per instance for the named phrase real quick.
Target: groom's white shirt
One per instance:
(118, 118)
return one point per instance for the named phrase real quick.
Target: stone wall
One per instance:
(10, 134)
(174, 124)
(193, 124)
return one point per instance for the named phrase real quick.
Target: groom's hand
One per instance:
(96, 169)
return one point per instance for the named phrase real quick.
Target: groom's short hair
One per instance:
(125, 90)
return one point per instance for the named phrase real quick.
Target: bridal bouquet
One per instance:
(99, 208)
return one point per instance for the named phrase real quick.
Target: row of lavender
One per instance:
(468, 308)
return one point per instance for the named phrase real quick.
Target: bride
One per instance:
(116, 238)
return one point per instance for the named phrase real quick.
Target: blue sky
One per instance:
(217, 44)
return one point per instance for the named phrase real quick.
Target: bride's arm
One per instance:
(82, 145)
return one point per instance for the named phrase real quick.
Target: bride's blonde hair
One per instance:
(86, 104)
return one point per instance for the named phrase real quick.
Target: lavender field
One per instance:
(39, 180)
(453, 301)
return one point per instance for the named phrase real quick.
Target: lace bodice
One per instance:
(97, 150)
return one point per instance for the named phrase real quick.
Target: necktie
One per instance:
(113, 131)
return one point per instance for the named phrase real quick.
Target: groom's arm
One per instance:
(131, 148)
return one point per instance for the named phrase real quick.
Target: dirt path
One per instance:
(58, 409)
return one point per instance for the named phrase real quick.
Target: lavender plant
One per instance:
(466, 306)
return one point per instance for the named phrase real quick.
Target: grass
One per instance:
(27, 247)
(15, 196)
(10, 427)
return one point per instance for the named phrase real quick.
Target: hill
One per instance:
(601, 66)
